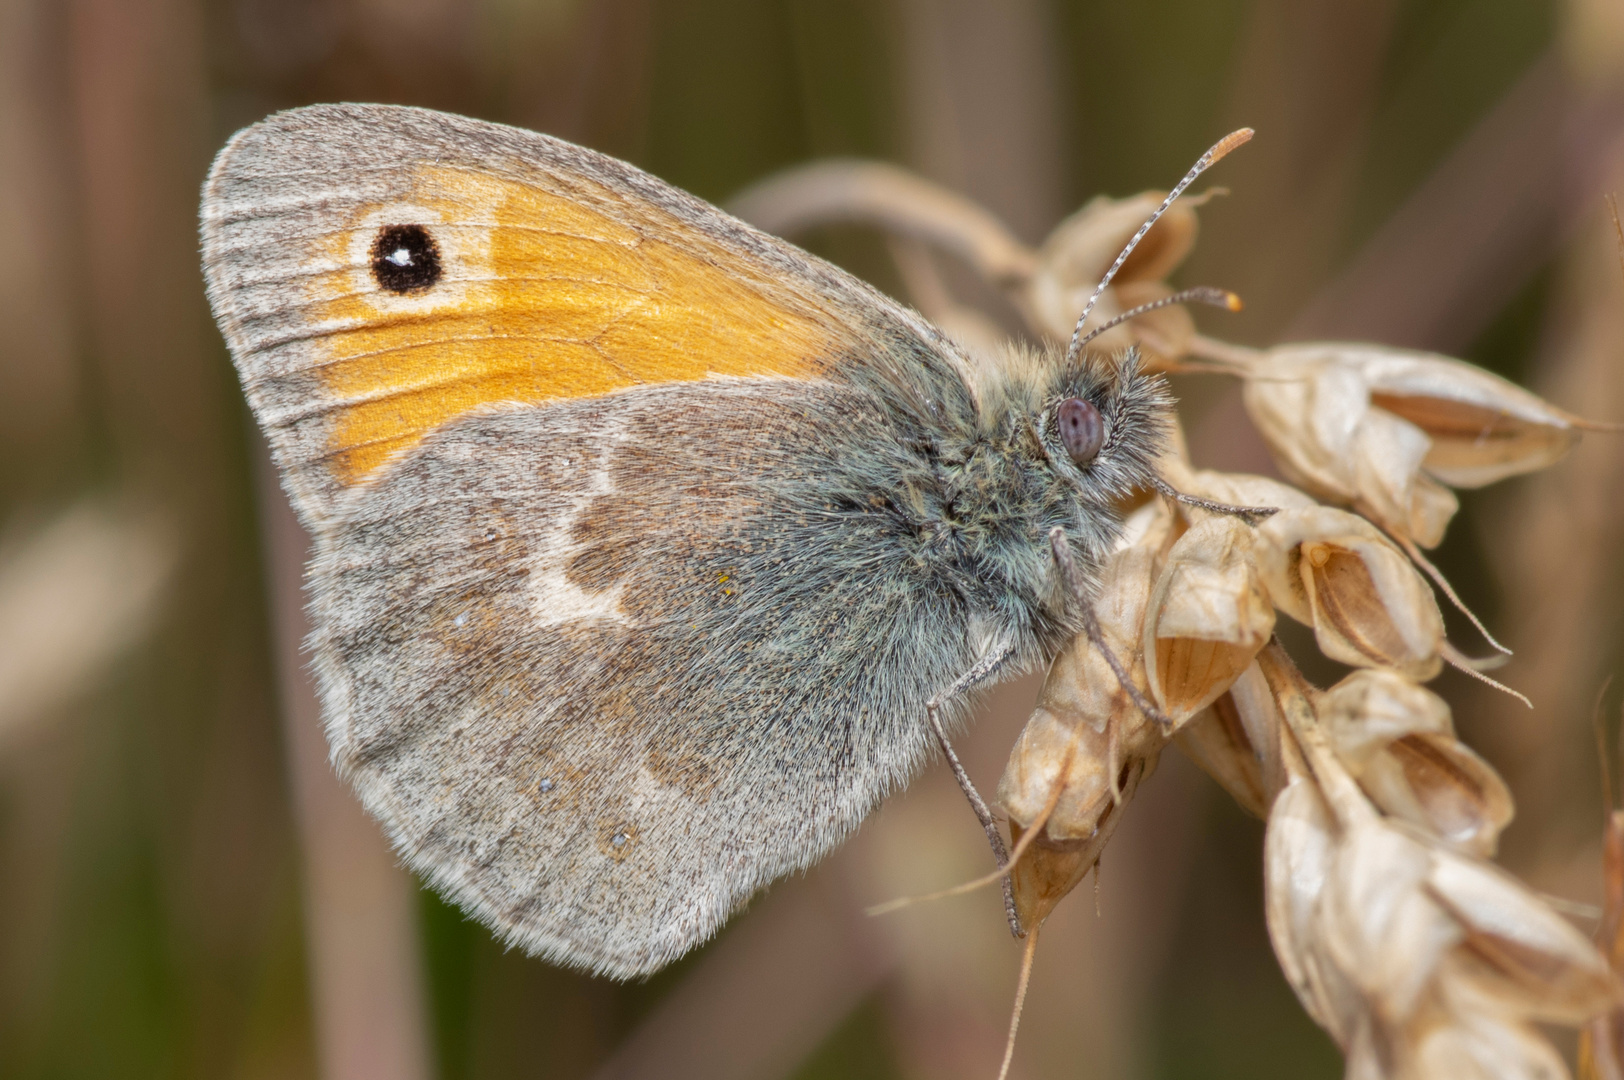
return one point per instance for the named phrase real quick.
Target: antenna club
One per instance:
(1231, 141)
(1233, 302)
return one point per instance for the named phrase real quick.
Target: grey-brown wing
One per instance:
(605, 667)
(379, 270)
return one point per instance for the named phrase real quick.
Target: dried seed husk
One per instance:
(1315, 413)
(1391, 488)
(1237, 741)
(1386, 429)
(1519, 955)
(1440, 784)
(1259, 714)
(1215, 739)
(1470, 1045)
(1369, 709)
(1052, 867)
(1377, 920)
(1209, 615)
(1335, 572)
(1308, 408)
(1057, 748)
(1298, 848)
(1396, 738)
(1483, 428)
(1049, 873)
(1096, 763)
(1083, 712)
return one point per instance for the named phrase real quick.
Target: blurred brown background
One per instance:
(184, 891)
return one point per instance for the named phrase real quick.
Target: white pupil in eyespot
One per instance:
(400, 257)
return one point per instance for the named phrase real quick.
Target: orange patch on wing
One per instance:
(543, 296)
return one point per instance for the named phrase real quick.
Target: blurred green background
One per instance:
(1426, 173)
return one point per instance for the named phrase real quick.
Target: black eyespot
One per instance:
(405, 258)
(1081, 429)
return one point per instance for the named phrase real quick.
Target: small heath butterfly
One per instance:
(644, 542)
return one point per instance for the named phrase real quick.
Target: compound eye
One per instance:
(1082, 429)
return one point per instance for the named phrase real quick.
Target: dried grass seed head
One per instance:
(1420, 960)
(1412, 953)
(1413, 956)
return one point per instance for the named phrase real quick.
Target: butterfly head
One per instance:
(1054, 444)
(1084, 432)
(1101, 425)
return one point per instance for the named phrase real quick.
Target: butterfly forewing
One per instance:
(381, 270)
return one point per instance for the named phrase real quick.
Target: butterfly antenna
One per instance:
(1221, 148)
(1201, 294)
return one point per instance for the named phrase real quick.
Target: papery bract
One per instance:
(1209, 615)
(1385, 430)
(1335, 572)
(1396, 738)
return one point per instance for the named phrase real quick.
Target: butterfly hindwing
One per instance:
(604, 667)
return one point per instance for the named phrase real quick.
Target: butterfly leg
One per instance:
(1252, 515)
(989, 664)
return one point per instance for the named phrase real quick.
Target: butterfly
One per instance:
(646, 545)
